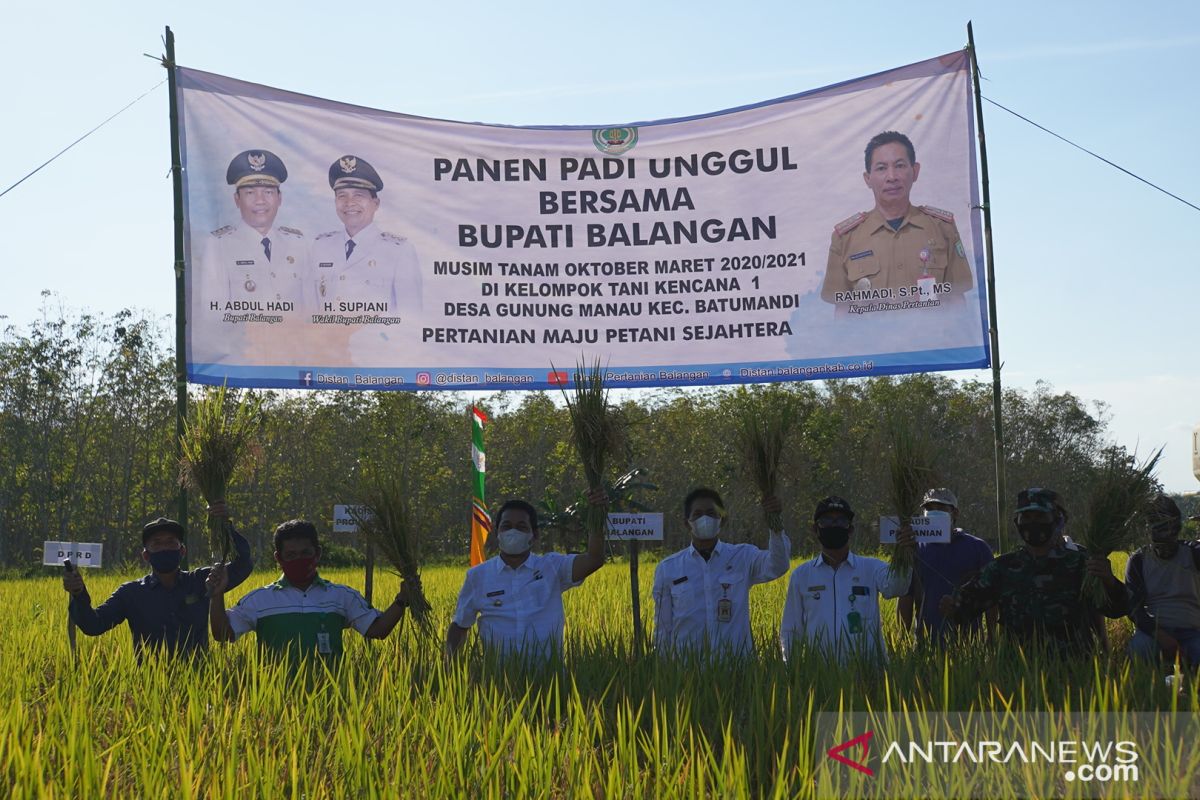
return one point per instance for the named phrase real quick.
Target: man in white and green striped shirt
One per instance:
(301, 614)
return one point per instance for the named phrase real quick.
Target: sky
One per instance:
(1096, 273)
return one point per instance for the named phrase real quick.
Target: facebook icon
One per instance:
(306, 378)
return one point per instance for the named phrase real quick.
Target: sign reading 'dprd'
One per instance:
(933, 528)
(635, 527)
(81, 554)
(344, 520)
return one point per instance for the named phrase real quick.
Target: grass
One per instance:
(598, 430)
(764, 422)
(219, 448)
(387, 520)
(395, 721)
(910, 468)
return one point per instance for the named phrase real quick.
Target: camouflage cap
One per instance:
(943, 496)
(1036, 499)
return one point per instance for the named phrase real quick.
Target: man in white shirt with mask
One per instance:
(702, 593)
(517, 595)
(833, 600)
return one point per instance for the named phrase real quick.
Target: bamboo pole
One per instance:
(993, 325)
(180, 293)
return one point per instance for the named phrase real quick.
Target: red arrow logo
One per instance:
(865, 740)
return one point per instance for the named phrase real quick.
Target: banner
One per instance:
(335, 246)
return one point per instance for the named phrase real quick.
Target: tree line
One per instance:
(87, 452)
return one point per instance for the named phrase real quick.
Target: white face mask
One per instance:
(513, 542)
(706, 527)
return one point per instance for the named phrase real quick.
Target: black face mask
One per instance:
(1037, 534)
(165, 560)
(833, 538)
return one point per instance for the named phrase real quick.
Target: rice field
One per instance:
(396, 721)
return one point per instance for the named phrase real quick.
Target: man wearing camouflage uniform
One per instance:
(1038, 587)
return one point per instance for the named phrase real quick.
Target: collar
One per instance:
(360, 237)
(532, 563)
(283, 583)
(152, 580)
(819, 561)
(1058, 551)
(693, 552)
(253, 233)
(875, 220)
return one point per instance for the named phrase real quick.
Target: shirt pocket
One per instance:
(497, 601)
(683, 595)
(732, 585)
(863, 264)
(939, 260)
(537, 594)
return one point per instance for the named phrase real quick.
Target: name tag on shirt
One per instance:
(678, 581)
(859, 590)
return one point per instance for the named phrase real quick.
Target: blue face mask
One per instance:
(165, 560)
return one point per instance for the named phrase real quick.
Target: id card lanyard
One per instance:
(725, 605)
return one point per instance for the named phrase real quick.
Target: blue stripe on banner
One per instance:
(489, 379)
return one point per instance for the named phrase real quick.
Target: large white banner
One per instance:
(333, 246)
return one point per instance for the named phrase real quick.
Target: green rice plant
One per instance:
(911, 473)
(383, 514)
(764, 420)
(1121, 492)
(598, 430)
(219, 447)
(394, 719)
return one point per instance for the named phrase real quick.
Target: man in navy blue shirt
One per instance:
(941, 568)
(168, 607)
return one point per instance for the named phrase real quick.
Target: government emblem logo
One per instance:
(348, 164)
(614, 141)
(258, 161)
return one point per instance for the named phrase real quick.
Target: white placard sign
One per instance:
(932, 528)
(81, 554)
(635, 527)
(344, 520)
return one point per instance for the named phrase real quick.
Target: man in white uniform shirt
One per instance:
(702, 593)
(249, 287)
(255, 260)
(833, 600)
(360, 269)
(517, 595)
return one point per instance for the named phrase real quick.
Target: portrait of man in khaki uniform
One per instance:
(913, 252)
